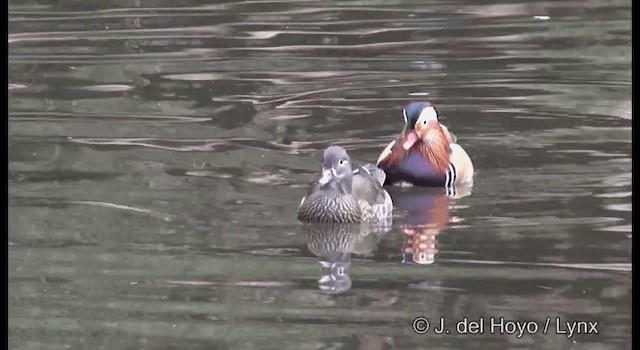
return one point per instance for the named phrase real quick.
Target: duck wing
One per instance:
(372, 171)
(367, 187)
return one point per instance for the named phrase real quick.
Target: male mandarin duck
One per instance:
(425, 153)
(346, 195)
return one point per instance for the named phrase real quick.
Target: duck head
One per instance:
(423, 133)
(336, 170)
(421, 123)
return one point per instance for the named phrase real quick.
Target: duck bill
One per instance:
(327, 175)
(410, 140)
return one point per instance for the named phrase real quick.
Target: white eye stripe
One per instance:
(428, 114)
(404, 114)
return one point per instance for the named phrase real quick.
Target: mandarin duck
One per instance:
(345, 194)
(425, 153)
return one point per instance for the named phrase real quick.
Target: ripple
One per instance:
(191, 145)
(137, 33)
(618, 228)
(17, 86)
(268, 179)
(581, 266)
(289, 117)
(108, 88)
(548, 221)
(619, 207)
(120, 207)
(235, 98)
(618, 180)
(217, 76)
(614, 195)
(236, 283)
(363, 47)
(60, 117)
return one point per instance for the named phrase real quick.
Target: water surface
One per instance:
(158, 151)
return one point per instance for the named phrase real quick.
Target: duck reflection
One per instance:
(427, 214)
(333, 244)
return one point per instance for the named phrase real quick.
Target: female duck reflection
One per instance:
(333, 244)
(427, 213)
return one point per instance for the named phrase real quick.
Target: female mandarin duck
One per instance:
(345, 195)
(426, 153)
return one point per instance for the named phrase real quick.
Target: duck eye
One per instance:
(341, 162)
(424, 122)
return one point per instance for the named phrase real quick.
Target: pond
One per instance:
(158, 151)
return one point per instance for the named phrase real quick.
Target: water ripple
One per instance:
(158, 150)
(191, 145)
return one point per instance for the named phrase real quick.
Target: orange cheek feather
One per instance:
(430, 140)
(435, 145)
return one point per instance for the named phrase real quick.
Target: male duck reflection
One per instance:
(427, 214)
(346, 195)
(425, 153)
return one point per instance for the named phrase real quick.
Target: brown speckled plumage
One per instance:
(327, 207)
(346, 198)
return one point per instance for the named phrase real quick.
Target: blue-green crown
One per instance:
(412, 112)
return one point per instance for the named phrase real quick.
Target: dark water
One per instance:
(158, 151)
